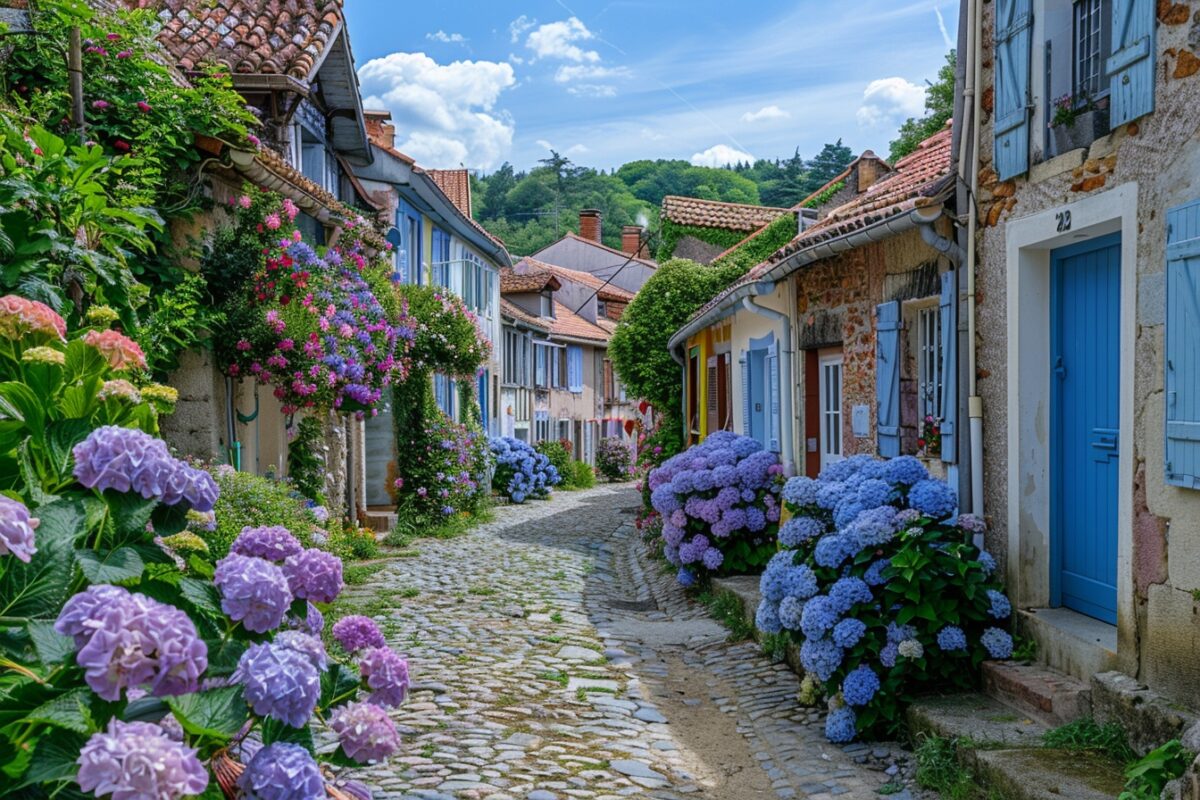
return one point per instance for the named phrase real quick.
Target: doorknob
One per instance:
(1059, 369)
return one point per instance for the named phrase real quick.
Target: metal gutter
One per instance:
(247, 163)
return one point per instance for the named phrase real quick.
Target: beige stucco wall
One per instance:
(1156, 162)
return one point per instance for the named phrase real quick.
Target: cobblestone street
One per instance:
(552, 659)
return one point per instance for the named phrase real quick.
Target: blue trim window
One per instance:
(439, 266)
(408, 254)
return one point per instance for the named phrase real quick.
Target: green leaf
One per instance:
(52, 647)
(201, 595)
(219, 713)
(337, 681)
(62, 438)
(275, 731)
(117, 566)
(54, 757)
(38, 589)
(130, 512)
(69, 711)
(223, 655)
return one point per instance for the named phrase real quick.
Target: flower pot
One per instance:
(1086, 128)
(208, 144)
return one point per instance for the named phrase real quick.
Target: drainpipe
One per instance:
(786, 442)
(974, 401)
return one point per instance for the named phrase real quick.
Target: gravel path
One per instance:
(552, 659)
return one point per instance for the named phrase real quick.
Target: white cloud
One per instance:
(721, 154)
(889, 101)
(574, 150)
(447, 38)
(446, 111)
(593, 90)
(545, 145)
(942, 27)
(652, 135)
(765, 113)
(518, 26)
(589, 72)
(557, 40)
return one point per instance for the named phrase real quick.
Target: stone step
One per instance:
(1004, 750)
(1043, 693)
(379, 521)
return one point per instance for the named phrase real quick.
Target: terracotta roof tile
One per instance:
(285, 37)
(603, 291)
(532, 279)
(714, 214)
(513, 311)
(567, 323)
(456, 185)
(916, 181)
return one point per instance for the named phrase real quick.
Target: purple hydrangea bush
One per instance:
(522, 473)
(719, 505)
(880, 584)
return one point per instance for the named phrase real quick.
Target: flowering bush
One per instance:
(124, 647)
(446, 474)
(447, 338)
(559, 454)
(884, 594)
(251, 501)
(522, 473)
(614, 458)
(718, 506)
(312, 326)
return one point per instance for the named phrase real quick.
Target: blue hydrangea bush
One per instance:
(883, 590)
(522, 473)
(719, 506)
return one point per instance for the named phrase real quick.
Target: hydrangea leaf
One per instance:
(51, 646)
(201, 596)
(69, 711)
(54, 757)
(219, 713)
(276, 731)
(116, 566)
(37, 590)
(337, 682)
(64, 435)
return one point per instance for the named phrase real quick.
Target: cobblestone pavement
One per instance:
(552, 659)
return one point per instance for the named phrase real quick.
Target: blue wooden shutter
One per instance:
(1014, 38)
(1183, 346)
(575, 368)
(1131, 66)
(773, 437)
(949, 399)
(887, 378)
(747, 400)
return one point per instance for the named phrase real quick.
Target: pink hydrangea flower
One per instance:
(119, 350)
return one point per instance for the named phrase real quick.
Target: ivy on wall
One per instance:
(759, 249)
(825, 196)
(672, 232)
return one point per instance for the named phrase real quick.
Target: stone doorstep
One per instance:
(1004, 750)
(379, 521)
(1070, 642)
(1043, 693)
(1149, 719)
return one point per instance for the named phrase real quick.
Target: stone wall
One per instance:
(1158, 157)
(697, 250)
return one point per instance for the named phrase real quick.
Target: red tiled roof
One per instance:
(567, 323)
(456, 185)
(532, 279)
(603, 291)
(714, 214)
(513, 311)
(916, 181)
(283, 37)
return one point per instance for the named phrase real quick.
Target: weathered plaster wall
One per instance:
(1158, 155)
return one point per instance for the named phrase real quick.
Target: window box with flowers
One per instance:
(1078, 121)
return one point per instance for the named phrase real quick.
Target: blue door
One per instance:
(758, 395)
(1085, 374)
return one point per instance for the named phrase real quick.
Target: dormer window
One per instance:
(601, 308)
(547, 304)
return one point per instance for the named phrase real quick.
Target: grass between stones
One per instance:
(940, 769)
(555, 676)
(727, 609)
(1087, 735)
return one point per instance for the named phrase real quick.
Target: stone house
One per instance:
(705, 230)
(1087, 181)
(844, 340)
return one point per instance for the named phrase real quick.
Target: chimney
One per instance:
(869, 170)
(589, 224)
(631, 240)
(380, 129)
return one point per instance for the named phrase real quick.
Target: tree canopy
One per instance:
(939, 107)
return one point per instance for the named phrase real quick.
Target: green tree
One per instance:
(495, 191)
(939, 107)
(638, 348)
(827, 165)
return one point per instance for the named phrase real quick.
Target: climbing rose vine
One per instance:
(885, 596)
(719, 506)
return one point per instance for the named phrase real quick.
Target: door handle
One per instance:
(1059, 369)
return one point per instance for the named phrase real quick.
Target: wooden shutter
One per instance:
(1014, 38)
(724, 418)
(1131, 66)
(1182, 357)
(747, 400)
(887, 378)
(609, 394)
(949, 370)
(773, 389)
(713, 420)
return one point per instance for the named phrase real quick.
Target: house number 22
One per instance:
(1064, 221)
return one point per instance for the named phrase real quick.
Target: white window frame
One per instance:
(928, 350)
(830, 368)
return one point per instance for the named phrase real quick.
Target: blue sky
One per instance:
(480, 83)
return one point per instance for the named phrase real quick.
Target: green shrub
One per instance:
(351, 544)
(560, 456)
(306, 459)
(614, 458)
(582, 475)
(251, 500)
(1152, 772)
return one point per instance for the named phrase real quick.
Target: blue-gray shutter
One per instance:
(887, 378)
(773, 390)
(1014, 44)
(744, 366)
(1131, 66)
(1182, 357)
(949, 399)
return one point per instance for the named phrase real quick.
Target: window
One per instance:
(574, 368)
(601, 308)
(830, 389)
(541, 426)
(408, 254)
(1092, 41)
(693, 395)
(547, 304)
(517, 358)
(440, 263)
(542, 358)
(559, 369)
(929, 363)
